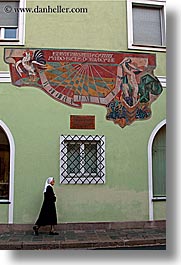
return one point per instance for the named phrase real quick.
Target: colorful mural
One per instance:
(122, 82)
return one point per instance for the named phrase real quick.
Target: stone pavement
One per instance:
(92, 238)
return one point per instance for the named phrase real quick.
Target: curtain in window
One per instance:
(8, 19)
(147, 25)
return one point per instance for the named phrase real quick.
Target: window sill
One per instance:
(147, 48)
(10, 42)
(159, 199)
(5, 202)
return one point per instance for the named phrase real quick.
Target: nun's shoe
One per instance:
(51, 233)
(35, 228)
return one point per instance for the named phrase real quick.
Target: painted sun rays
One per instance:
(80, 79)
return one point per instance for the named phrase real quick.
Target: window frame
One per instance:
(146, 3)
(20, 32)
(82, 176)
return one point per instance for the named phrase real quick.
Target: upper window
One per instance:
(82, 159)
(11, 22)
(146, 24)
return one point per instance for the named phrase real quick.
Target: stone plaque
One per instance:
(82, 122)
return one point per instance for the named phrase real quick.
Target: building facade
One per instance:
(83, 99)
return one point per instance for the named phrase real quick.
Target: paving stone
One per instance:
(84, 239)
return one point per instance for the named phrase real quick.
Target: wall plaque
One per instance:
(82, 122)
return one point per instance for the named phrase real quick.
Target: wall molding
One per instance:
(5, 77)
(64, 226)
(163, 81)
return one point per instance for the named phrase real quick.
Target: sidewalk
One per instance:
(94, 238)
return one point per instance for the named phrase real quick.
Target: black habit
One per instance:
(48, 214)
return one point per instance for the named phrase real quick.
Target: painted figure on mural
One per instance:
(129, 82)
(122, 114)
(138, 88)
(48, 215)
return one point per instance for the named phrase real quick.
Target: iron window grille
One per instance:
(82, 159)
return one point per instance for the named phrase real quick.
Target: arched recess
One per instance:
(150, 167)
(11, 172)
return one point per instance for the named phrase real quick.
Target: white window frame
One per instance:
(147, 3)
(20, 33)
(64, 179)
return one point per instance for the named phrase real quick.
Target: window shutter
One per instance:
(159, 163)
(147, 25)
(8, 19)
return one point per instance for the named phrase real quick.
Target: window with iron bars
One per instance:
(82, 159)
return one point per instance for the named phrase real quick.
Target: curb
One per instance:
(82, 245)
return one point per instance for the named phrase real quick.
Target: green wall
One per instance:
(36, 122)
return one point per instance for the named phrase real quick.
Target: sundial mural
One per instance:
(122, 82)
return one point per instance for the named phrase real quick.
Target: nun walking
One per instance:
(48, 215)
